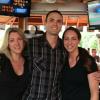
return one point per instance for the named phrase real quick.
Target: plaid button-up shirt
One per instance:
(46, 67)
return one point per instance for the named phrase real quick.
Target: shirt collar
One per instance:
(45, 42)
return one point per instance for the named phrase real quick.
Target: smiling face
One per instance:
(15, 43)
(54, 23)
(71, 41)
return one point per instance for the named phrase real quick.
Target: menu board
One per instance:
(18, 8)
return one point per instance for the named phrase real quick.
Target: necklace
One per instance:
(72, 61)
(18, 66)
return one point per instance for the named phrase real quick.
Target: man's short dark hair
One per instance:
(53, 11)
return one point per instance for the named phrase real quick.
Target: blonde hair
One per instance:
(4, 48)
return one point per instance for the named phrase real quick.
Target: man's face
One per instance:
(94, 53)
(54, 23)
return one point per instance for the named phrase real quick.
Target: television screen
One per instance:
(5, 1)
(18, 8)
(94, 14)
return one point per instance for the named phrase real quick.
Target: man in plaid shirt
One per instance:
(46, 55)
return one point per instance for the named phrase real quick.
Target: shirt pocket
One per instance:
(39, 64)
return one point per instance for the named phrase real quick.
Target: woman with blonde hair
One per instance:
(14, 68)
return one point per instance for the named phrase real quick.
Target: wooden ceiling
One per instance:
(59, 1)
(80, 20)
(38, 19)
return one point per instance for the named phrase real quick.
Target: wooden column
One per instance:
(23, 23)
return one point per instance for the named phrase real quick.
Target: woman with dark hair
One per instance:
(78, 81)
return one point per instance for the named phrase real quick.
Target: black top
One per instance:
(97, 59)
(75, 82)
(12, 86)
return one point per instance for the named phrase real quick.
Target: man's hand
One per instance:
(97, 75)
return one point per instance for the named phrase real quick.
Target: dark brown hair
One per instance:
(73, 29)
(53, 11)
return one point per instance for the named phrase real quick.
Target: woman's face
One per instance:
(71, 41)
(15, 43)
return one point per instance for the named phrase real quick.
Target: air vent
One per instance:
(51, 1)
